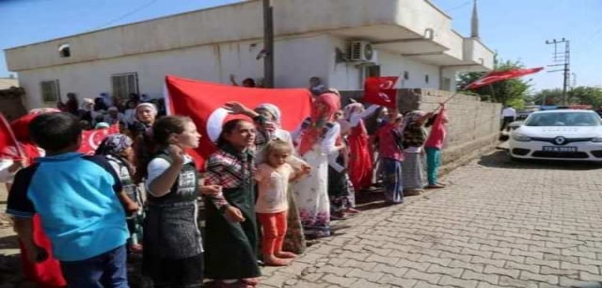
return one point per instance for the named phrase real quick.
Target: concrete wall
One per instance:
(348, 76)
(473, 125)
(297, 59)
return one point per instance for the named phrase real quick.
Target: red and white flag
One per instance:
(381, 91)
(496, 76)
(204, 101)
(7, 140)
(91, 139)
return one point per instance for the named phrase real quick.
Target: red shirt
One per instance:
(438, 133)
(387, 146)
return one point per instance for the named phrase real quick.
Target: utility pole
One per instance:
(268, 44)
(562, 58)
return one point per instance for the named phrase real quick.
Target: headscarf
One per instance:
(142, 105)
(318, 120)
(413, 135)
(273, 109)
(352, 109)
(102, 125)
(114, 144)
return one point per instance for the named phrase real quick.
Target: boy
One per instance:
(76, 198)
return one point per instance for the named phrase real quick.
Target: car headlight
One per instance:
(520, 137)
(597, 140)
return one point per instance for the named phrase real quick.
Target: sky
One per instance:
(515, 29)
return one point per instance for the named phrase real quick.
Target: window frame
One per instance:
(128, 90)
(56, 90)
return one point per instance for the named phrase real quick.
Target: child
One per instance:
(117, 149)
(391, 155)
(413, 139)
(433, 146)
(231, 227)
(173, 253)
(76, 197)
(271, 205)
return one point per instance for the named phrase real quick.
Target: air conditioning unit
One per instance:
(362, 51)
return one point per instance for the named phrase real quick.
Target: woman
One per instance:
(294, 240)
(46, 274)
(231, 229)
(317, 138)
(141, 132)
(360, 162)
(414, 137)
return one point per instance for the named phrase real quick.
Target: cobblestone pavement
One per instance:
(498, 224)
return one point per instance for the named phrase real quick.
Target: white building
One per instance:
(410, 38)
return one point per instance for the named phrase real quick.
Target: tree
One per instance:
(509, 92)
(582, 95)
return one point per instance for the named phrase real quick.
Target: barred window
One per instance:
(124, 84)
(50, 90)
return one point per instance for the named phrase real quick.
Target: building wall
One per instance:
(297, 59)
(348, 76)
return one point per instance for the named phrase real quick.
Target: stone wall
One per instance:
(474, 125)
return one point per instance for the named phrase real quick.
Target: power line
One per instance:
(565, 56)
(127, 14)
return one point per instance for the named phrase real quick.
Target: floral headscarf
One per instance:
(322, 113)
(114, 144)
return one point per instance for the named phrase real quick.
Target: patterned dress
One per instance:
(231, 247)
(311, 192)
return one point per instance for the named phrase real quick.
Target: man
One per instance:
(508, 116)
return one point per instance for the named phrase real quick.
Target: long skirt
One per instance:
(311, 193)
(392, 180)
(360, 161)
(413, 171)
(340, 191)
(294, 240)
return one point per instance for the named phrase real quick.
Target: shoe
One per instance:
(435, 186)
(352, 211)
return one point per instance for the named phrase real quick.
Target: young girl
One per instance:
(433, 146)
(231, 228)
(117, 149)
(360, 161)
(173, 253)
(294, 241)
(272, 205)
(391, 155)
(414, 137)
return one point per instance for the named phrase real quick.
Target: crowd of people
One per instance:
(266, 192)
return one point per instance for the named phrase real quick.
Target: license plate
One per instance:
(559, 149)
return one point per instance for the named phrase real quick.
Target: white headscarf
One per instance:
(273, 109)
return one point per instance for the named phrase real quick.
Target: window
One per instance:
(124, 84)
(426, 79)
(373, 71)
(50, 91)
(446, 84)
(65, 50)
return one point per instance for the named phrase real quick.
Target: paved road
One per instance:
(499, 224)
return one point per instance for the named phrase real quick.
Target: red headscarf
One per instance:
(322, 113)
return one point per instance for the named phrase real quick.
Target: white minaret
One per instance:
(474, 27)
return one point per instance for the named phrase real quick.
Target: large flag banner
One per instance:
(381, 91)
(496, 76)
(204, 102)
(91, 139)
(7, 140)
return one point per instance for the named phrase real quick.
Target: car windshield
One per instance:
(564, 119)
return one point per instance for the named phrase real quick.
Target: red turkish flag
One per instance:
(7, 140)
(204, 101)
(381, 91)
(91, 139)
(496, 76)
